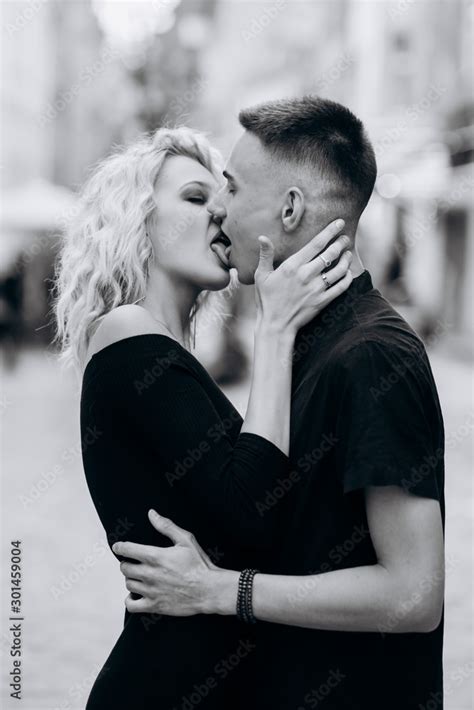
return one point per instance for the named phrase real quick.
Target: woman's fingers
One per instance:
(316, 245)
(327, 257)
(332, 276)
(339, 288)
(325, 260)
(267, 251)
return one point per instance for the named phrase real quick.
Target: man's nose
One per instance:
(216, 207)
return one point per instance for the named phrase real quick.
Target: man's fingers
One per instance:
(148, 553)
(135, 586)
(317, 244)
(135, 551)
(166, 527)
(138, 606)
(133, 571)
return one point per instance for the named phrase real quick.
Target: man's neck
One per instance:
(357, 267)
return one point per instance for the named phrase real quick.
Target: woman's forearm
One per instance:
(288, 298)
(268, 410)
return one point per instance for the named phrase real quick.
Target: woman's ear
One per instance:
(293, 209)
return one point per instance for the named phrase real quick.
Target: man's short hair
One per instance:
(321, 134)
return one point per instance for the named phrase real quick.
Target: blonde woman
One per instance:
(133, 272)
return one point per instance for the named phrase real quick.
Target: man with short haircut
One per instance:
(349, 606)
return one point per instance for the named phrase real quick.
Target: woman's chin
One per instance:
(216, 281)
(220, 283)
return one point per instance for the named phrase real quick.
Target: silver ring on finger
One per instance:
(326, 281)
(327, 262)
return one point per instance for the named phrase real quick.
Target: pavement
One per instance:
(72, 591)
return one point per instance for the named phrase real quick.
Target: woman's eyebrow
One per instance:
(201, 183)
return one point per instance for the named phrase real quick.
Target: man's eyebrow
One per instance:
(228, 176)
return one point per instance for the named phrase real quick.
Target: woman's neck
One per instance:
(170, 301)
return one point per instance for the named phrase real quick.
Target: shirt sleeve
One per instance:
(199, 454)
(388, 426)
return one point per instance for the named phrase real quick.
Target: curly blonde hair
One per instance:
(106, 253)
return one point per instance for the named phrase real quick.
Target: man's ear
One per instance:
(293, 209)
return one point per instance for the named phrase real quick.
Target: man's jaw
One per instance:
(246, 276)
(245, 272)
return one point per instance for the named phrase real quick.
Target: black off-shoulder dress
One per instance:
(158, 432)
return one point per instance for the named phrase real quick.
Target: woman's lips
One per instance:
(222, 252)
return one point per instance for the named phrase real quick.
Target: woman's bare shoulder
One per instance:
(120, 323)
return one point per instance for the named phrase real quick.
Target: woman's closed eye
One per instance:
(195, 193)
(197, 199)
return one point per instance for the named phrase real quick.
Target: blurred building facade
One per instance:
(81, 76)
(406, 68)
(71, 91)
(51, 133)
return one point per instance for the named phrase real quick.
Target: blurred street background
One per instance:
(81, 76)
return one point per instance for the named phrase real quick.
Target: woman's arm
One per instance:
(268, 408)
(402, 593)
(287, 298)
(175, 418)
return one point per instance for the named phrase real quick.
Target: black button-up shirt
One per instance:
(365, 411)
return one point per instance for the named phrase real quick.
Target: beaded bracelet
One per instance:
(244, 596)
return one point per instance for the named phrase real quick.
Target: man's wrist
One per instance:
(221, 592)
